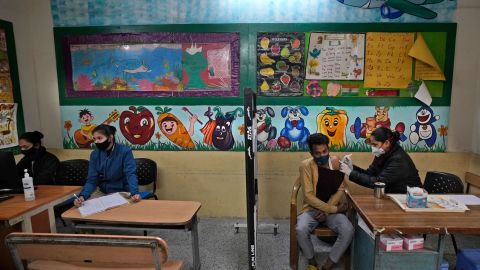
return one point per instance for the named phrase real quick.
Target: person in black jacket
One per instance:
(40, 164)
(391, 165)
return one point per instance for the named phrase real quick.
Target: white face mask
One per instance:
(377, 151)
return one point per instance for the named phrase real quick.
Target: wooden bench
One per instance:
(319, 231)
(472, 180)
(44, 251)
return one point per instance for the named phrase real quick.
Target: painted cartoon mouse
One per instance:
(295, 130)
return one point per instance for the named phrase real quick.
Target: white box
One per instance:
(391, 242)
(412, 242)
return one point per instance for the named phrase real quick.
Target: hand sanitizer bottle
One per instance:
(28, 189)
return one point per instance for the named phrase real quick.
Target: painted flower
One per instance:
(158, 135)
(442, 130)
(314, 89)
(67, 125)
(271, 144)
(241, 129)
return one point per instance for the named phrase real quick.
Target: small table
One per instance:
(383, 216)
(144, 215)
(17, 210)
(34, 216)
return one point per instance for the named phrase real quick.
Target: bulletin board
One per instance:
(440, 38)
(11, 111)
(293, 78)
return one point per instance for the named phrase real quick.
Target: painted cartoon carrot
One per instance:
(173, 128)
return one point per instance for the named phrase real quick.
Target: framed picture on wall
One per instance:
(151, 64)
(11, 111)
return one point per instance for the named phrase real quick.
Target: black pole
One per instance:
(251, 174)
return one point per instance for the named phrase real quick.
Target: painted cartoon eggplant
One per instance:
(392, 9)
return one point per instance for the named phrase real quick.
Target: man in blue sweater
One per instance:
(111, 169)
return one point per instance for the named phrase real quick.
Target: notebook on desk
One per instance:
(93, 206)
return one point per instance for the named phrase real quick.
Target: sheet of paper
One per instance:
(426, 67)
(387, 64)
(101, 204)
(336, 56)
(466, 199)
(423, 94)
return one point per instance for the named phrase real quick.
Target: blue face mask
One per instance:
(322, 160)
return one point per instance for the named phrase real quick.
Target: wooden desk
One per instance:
(35, 216)
(383, 216)
(144, 215)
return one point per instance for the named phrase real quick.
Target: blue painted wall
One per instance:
(139, 12)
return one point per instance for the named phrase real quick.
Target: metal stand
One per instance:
(267, 226)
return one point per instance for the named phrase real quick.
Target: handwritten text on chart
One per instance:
(387, 64)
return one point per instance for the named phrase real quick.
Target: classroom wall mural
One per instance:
(279, 128)
(125, 12)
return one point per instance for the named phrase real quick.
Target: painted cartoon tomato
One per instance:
(137, 125)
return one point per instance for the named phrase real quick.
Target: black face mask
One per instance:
(29, 152)
(103, 145)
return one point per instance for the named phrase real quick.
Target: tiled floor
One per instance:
(222, 248)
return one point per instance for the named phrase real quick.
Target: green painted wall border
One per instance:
(248, 33)
(17, 96)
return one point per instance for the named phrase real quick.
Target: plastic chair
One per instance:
(72, 172)
(443, 183)
(147, 174)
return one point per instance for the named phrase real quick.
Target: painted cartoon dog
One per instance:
(295, 130)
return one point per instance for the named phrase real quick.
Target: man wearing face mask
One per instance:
(111, 169)
(391, 165)
(40, 164)
(323, 189)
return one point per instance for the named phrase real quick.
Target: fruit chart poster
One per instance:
(280, 64)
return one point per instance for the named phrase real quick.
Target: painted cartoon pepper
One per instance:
(174, 129)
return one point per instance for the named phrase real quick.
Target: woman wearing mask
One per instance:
(391, 165)
(40, 164)
(111, 168)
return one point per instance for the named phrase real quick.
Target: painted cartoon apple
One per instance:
(137, 125)
(275, 49)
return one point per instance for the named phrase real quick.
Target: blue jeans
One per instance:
(339, 223)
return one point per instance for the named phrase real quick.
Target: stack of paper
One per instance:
(101, 204)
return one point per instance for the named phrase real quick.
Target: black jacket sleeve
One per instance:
(24, 163)
(389, 173)
(45, 173)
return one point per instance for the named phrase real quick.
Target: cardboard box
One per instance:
(416, 197)
(412, 242)
(391, 242)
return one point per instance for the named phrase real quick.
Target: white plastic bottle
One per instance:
(28, 189)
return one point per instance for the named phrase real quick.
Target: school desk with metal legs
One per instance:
(144, 215)
(34, 216)
(383, 216)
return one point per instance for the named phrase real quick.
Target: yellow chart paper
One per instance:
(387, 64)
(426, 67)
